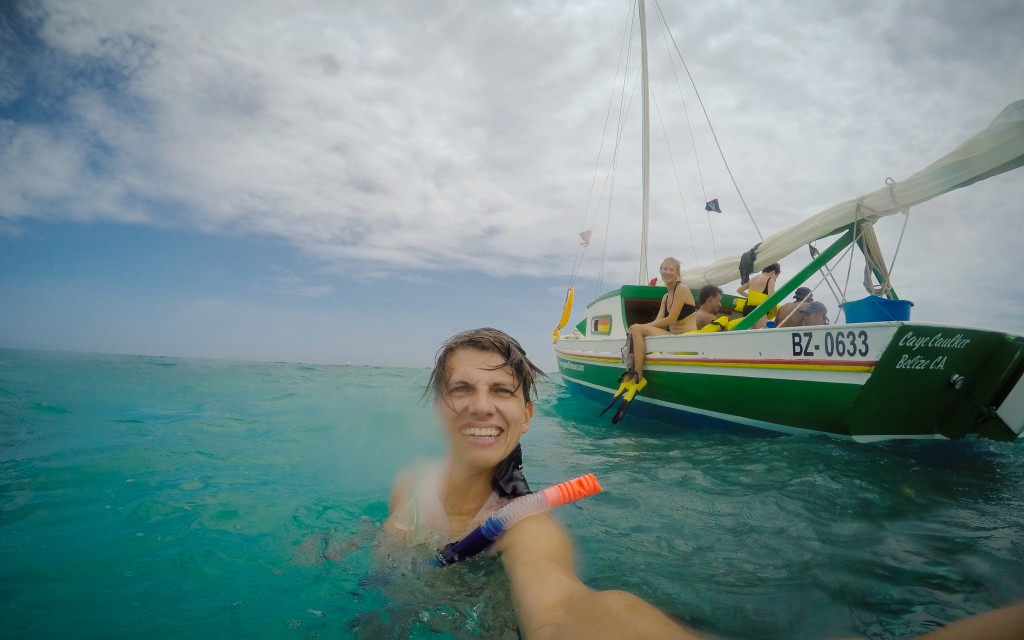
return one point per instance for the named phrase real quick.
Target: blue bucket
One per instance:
(876, 309)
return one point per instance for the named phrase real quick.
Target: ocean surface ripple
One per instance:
(173, 498)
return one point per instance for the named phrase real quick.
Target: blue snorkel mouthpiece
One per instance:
(483, 536)
(476, 542)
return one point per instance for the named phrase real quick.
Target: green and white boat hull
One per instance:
(870, 381)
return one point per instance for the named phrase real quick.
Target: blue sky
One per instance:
(122, 288)
(346, 182)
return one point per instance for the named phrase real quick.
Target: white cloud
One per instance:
(414, 136)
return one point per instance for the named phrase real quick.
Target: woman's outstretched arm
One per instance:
(552, 602)
(1002, 624)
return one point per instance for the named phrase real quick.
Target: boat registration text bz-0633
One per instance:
(835, 343)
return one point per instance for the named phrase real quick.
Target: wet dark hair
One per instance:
(707, 292)
(775, 267)
(492, 341)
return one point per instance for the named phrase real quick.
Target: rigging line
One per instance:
(613, 168)
(609, 181)
(608, 113)
(623, 103)
(831, 278)
(888, 284)
(712, 128)
(689, 127)
(779, 321)
(604, 251)
(607, 221)
(675, 173)
(578, 260)
(888, 280)
(714, 245)
(826, 275)
(826, 272)
(610, 184)
(839, 258)
(853, 243)
(613, 165)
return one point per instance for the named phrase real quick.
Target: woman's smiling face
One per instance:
(482, 408)
(669, 271)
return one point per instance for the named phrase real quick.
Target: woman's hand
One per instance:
(552, 602)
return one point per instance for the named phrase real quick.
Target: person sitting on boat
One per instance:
(675, 315)
(758, 289)
(482, 387)
(816, 313)
(710, 301)
(789, 314)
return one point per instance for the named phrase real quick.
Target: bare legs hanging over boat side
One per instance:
(675, 315)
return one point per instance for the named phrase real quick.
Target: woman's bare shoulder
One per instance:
(406, 479)
(400, 488)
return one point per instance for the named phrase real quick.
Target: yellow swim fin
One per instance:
(627, 399)
(626, 380)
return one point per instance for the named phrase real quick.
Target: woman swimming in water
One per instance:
(482, 387)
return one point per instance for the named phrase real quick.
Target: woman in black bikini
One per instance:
(676, 314)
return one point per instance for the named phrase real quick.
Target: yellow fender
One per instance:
(566, 312)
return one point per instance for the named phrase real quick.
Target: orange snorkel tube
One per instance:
(484, 535)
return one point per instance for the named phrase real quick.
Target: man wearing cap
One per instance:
(790, 314)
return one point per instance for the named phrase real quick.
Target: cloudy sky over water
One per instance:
(351, 182)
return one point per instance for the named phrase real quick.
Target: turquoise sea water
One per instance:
(174, 498)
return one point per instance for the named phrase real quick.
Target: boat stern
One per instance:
(949, 381)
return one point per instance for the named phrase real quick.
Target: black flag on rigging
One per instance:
(712, 205)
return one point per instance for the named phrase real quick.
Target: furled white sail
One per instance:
(996, 149)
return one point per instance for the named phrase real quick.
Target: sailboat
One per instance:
(875, 376)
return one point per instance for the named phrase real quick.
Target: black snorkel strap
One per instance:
(508, 480)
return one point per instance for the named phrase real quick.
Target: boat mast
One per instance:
(646, 135)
